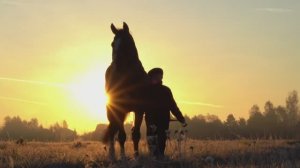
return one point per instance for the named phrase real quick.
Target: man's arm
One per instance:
(174, 108)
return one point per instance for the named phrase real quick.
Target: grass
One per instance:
(183, 153)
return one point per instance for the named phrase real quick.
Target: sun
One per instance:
(88, 91)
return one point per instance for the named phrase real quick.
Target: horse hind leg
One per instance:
(136, 134)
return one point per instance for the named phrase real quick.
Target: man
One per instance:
(160, 104)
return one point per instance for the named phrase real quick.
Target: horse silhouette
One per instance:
(125, 79)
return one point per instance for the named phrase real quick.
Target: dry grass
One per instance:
(185, 153)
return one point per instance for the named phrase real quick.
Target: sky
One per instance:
(219, 57)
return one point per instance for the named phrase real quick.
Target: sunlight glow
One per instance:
(88, 91)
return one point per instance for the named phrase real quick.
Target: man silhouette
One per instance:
(157, 115)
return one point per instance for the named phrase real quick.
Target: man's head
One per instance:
(156, 75)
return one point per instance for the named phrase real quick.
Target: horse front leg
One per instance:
(112, 129)
(122, 139)
(109, 134)
(136, 134)
(122, 134)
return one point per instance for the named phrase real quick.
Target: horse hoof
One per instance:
(111, 157)
(136, 154)
(135, 163)
(123, 157)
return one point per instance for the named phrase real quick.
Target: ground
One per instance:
(180, 153)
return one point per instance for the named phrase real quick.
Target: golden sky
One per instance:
(219, 57)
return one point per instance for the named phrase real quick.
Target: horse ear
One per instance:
(125, 27)
(113, 29)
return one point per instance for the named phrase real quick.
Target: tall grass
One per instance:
(180, 152)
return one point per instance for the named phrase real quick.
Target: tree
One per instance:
(232, 126)
(269, 108)
(65, 124)
(271, 120)
(33, 123)
(230, 121)
(254, 110)
(292, 107)
(256, 122)
(242, 123)
(242, 127)
(282, 114)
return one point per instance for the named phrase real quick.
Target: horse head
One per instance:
(124, 50)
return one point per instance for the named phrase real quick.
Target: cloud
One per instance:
(51, 84)
(22, 100)
(201, 104)
(275, 10)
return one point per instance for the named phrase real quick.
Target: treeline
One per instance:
(276, 122)
(15, 128)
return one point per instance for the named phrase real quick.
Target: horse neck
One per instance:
(127, 59)
(129, 63)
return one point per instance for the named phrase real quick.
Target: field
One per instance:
(183, 153)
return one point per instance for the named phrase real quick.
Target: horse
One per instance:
(125, 79)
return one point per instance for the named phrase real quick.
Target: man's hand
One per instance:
(184, 124)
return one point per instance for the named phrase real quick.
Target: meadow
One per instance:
(186, 153)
